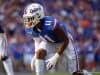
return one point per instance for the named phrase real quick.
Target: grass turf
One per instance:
(59, 73)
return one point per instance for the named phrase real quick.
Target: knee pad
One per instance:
(4, 58)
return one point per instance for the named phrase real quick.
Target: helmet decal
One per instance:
(34, 10)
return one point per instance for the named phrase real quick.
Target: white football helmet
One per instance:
(32, 14)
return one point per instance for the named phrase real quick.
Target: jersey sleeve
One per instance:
(30, 31)
(49, 22)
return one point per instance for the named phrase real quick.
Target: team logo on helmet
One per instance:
(34, 10)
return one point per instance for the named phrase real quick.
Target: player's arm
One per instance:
(64, 43)
(63, 38)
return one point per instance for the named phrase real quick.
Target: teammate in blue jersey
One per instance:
(51, 40)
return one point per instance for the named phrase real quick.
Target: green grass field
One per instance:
(46, 74)
(59, 73)
(95, 73)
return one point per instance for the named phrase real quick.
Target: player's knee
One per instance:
(4, 58)
(41, 54)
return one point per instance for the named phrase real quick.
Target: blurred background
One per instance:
(80, 16)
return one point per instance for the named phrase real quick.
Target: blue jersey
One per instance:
(48, 31)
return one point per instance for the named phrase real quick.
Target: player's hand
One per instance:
(33, 62)
(51, 62)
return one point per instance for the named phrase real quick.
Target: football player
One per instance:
(3, 53)
(50, 37)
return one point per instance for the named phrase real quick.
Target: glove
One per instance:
(51, 62)
(33, 62)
